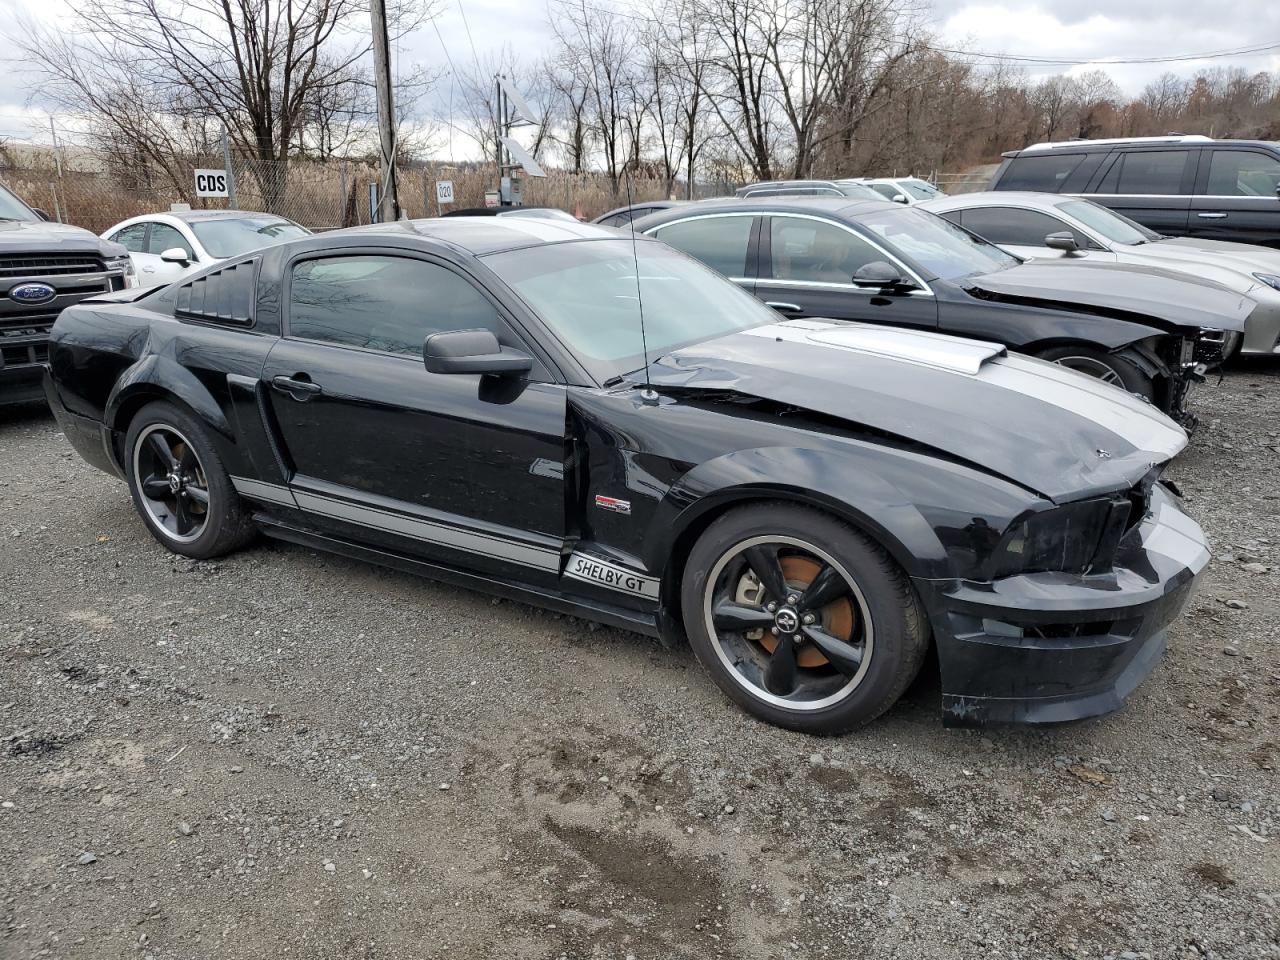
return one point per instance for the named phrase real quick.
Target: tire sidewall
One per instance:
(224, 505)
(1133, 379)
(869, 566)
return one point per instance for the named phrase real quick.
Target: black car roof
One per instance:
(482, 235)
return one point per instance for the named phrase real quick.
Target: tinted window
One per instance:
(165, 237)
(588, 294)
(719, 242)
(1026, 228)
(886, 190)
(1242, 173)
(816, 252)
(1044, 172)
(1156, 172)
(621, 219)
(230, 238)
(383, 303)
(134, 238)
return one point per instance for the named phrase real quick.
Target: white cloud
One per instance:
(1098, 31)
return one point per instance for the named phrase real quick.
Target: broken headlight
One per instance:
(1072, 538)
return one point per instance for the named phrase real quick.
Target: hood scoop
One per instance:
(931, 349)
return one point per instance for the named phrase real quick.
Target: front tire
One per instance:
(1107, 367)
(801, 619)
(180, 487)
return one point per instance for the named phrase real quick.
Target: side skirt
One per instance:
(579, 607)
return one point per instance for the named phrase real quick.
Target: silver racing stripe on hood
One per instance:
(1112, 408)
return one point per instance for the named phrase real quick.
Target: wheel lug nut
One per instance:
(809, 618)
(771, 607)
(792, 598)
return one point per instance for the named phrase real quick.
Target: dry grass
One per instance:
(321, 196)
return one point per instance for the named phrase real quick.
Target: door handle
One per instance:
(1212, 216)
(792, 307)
(300, 390)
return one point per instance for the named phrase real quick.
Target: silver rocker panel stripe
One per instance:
(590, 569)
(259, 490)
(429, 532)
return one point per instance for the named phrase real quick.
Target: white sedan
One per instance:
(1047, 226)
(165, 247)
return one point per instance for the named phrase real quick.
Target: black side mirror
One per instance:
(881, 274)
(48, 219)
(472, 351)
(1066, 242)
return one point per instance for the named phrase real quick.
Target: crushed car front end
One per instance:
(1049, 645)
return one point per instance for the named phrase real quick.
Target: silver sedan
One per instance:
(1047, 225)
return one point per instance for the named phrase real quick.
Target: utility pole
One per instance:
(57, 162)
(501, 129)
(231, 174)
(389, 196)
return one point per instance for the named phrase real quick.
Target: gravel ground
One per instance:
(286, 754)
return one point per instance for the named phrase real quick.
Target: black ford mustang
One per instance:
(808, 502)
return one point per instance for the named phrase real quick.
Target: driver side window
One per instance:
(165, 237)
(1015, 226)
(384, 303)
(817, 252)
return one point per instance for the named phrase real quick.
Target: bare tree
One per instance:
(267, 69)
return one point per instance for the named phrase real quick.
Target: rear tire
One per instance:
(861, 628)
(1108, 367)
(180, 487)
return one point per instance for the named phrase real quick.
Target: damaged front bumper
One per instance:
(1052, 647)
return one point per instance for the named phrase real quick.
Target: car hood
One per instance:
(1051, 430)
(1244, 257)
(38, 236)
(1168, 295)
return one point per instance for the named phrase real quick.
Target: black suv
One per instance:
(45, 267)
(1184, 186)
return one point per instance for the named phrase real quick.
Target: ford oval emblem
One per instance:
(32, 294)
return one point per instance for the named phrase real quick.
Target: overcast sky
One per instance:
(1077, 29)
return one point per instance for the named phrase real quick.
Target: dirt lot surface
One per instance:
(285, 754)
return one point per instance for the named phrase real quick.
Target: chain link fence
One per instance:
(96, 190)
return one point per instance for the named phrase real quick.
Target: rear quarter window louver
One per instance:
(225, 296)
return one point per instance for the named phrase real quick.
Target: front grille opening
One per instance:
(26, 355)
(49, 265)
(1048, 631)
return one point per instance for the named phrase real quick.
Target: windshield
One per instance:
(11, 208)
(937, 245)
(921, 189)
(586, 293)
(1112, 226)
(230, 238)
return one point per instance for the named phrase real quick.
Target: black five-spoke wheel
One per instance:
(180, 486)
(175, 492)
(789, 621)
(800, 618)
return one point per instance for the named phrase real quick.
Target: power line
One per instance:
(474, 56)
(1018, 58)
(1111, 61)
